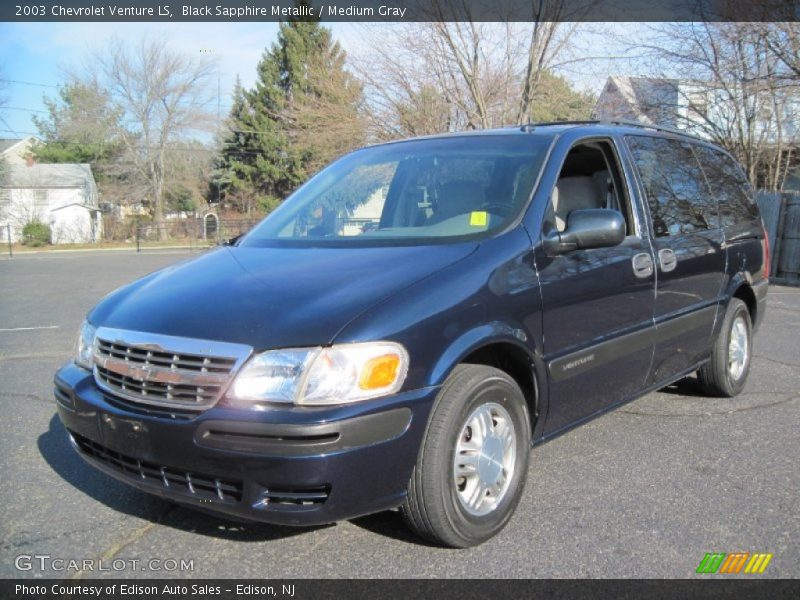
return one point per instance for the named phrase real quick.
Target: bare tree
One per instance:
(783, 40)
(731, 91)
(454, 72)
(188, 167)
(3, 101)
(549, 37)
(403, 94)
(162, 95)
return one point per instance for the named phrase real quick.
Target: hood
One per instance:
(270, 297)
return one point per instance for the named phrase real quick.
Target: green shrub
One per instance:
(36, 234)
(266, 204)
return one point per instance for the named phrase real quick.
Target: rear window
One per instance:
(675, 186)
(729, 185)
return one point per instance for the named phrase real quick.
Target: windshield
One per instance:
(423, 191)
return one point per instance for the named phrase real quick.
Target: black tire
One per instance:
(433, 508)
(715, 376)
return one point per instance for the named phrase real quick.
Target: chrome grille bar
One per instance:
(163, 370)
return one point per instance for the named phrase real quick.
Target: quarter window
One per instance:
(729, 186)
(675, 186)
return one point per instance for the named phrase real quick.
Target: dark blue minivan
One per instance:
(404, 327)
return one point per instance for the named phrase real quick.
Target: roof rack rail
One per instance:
(654, 127)
(528, 127)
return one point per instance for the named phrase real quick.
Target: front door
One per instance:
(597, 304)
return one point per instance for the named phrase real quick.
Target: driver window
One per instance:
(589, 178)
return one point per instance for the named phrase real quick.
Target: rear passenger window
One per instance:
(674, 184)
(729, 186)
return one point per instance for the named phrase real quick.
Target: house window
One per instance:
(700, 106)
(40, 199)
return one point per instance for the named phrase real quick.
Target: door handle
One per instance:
(642, 265)
(667, 260)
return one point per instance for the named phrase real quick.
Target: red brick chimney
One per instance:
(30, 160)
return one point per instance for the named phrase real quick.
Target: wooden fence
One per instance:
(781, 214)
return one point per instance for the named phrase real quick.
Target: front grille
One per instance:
(171, 360)
(187, 395)
(150, 410)
(195, 485)
(164, 371)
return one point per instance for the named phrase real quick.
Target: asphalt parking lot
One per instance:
(645, 491)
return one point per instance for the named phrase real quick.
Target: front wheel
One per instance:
(726, 372)
(473, 462)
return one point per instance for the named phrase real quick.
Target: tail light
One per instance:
(765, 246)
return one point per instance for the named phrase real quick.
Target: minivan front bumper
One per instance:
(290, 465)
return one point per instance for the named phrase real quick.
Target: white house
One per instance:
(63, 196)
(773, 121)
(367, 214)
(695, 106)
(16, 151)
(642, 99)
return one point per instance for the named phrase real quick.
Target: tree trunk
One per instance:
(158, 198)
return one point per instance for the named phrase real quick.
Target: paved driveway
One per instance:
(643, 492)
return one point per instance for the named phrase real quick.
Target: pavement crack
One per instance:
(786, 308)
(134, 536)
(36, 397)
(709, 414)
(777, 362)
(10, 357)
(27, 541)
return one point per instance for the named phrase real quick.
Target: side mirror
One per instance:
(586, 228)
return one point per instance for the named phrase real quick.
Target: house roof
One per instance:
(49, 176)
(6, 143)
(646, 99)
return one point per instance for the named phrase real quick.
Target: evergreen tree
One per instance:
(80, 127)
(292, 121)
(556, 100)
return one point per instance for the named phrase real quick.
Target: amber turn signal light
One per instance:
(379, 372)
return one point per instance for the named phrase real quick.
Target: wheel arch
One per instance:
(745, 293)
(497, 345)
(741, 287)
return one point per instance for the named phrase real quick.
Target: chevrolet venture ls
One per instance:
(405, 326)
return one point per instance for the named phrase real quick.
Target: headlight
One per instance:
(85, 346)
(320, 376)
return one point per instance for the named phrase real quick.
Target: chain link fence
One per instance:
(197, 233)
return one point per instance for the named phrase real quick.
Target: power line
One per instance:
(24, 109)
(4, 122)
(169, 148)
(18, 82)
